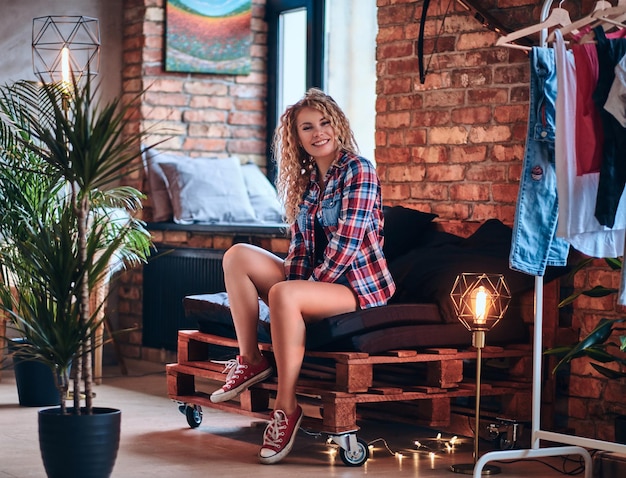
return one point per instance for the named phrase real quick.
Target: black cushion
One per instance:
(421, 313)
(404, 230)
(427, 274)
(335, 332)
(431, 335)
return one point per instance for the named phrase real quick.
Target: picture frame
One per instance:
(208, 36)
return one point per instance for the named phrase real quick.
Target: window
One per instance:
(330, 44)
(350, 65)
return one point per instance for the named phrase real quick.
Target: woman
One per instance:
(335, 262)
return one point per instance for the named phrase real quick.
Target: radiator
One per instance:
(169, 276)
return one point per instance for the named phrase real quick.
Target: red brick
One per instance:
(393, 120)
(394, 86)
(430, 154)
(472, 115)
(504, 193)
(468, 153)
(246, 118)
(451, 211)
(415, 136)
(452, 135)
(511, 113)
(430, 191)
(489, 134)
(216, 102)
(208, 145)
(471, 41)
(392, 192)
(205, 116)
(585, 387)
(471, 78)
(394, 50)
(445, 172)
(165, 99)
(490, 96)
(394, 14)
(167, 85)
(393, 155)
(511, 74)
(484, 212)
(431, 118)
(395, 138)
(389, 34)
(443, 98)
(405, 173)
(469, 192)
(403, 103)
(250, 146)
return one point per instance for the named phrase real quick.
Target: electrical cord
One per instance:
(577, 470)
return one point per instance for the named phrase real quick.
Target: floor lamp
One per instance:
(64, 49)
(480, 300)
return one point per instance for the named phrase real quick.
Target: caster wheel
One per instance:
(194, 415)
(355, 457)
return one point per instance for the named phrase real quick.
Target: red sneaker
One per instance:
(241, 376)
(279, 436)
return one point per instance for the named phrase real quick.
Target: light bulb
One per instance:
(65, 65)
(480, 305)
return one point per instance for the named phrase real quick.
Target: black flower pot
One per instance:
(34, 380)
(79, 446)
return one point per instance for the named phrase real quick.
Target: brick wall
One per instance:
(452, 146)
(197, 114)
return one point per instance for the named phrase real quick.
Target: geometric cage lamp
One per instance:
(480, 301)
(64, 47)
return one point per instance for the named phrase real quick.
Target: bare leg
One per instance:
(292, 304)
(249, 273)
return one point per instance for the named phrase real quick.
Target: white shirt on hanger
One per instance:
(577, 223)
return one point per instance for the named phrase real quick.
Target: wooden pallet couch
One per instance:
(409, 361)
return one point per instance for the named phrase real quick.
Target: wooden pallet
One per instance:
(337, 388)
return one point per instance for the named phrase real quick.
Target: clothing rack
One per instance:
(576, 445)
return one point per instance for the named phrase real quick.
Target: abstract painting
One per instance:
(208, 36)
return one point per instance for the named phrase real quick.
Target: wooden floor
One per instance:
(157, 441)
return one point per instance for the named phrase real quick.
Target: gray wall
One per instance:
(16, 24)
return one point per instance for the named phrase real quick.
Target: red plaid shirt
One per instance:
(350, 212)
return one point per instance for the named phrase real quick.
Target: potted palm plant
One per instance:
(62, 159)
(599, 345)
(604, 346)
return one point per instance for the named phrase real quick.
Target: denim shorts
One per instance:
(534, 244)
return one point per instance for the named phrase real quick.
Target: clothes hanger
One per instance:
(558, 17)
(609, 18)
(613, 16)
(581, 22)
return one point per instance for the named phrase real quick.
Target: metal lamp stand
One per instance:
(478, 341)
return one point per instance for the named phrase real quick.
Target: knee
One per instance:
(278, 295)
(234, 257)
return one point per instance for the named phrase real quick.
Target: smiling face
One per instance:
(316, 135)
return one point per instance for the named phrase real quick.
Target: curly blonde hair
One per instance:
(294, 171)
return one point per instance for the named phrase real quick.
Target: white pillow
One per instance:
(207, 190)
(265, 203)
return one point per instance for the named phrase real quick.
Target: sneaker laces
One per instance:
(275, 429)
(232, 367)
